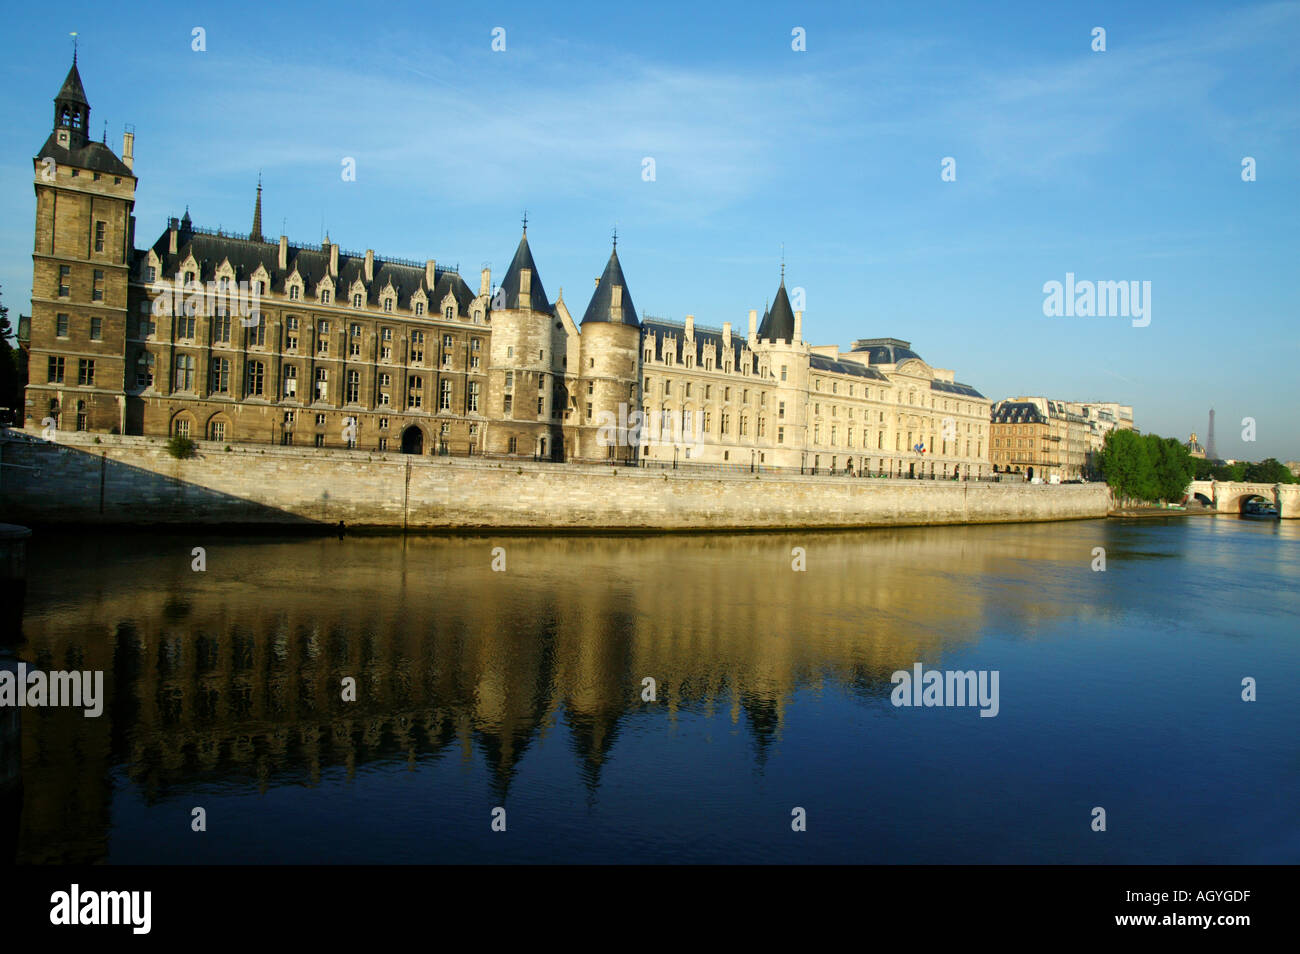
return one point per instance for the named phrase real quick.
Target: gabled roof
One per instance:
(778, 323)
(508, 294)
(601, 307)
(72, 90)
(673, 335)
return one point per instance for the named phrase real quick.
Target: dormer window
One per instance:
(356, 300)
(449, 313)
(419, 308)
(293, 293)
(388, 304)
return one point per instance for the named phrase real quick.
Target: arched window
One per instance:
(449, 313)
(356, 300)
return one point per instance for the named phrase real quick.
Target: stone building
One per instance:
(225, 337)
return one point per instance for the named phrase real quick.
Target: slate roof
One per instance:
(508, 293)
(1017, 412)
(91, 155)
(820, 362)
(312, 264)
(886, 350)
(955, 387)
(72, 91)
(778, 322)
(704, 338)
(601, 306)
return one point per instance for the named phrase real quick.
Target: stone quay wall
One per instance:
(134, 480)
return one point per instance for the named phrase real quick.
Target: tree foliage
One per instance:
(1145, 466)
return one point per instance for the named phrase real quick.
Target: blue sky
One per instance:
(1115, 165)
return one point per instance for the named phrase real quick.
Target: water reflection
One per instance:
(232, 678)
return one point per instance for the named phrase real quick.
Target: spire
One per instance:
(607, 304)
(509, 290)
(256, 234)
(72, 109)
(778, 323)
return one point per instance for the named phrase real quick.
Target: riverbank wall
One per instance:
(84, 479)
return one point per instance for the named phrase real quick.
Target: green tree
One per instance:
(1171, 465)
(1126, 465)
(1268, 471)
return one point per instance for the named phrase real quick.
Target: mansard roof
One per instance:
(312, 264)
(509, 289)
(778, 323)
(1017, 412)
(955, 387)
(886, 350)
(92, 155)
(819, 362)
(601, 307)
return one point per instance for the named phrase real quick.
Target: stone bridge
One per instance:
(1228, 497)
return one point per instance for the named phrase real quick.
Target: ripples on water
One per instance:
(522, 689)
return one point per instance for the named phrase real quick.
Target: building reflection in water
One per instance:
(232, 677)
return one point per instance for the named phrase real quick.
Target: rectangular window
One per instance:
(99, 236)
(444, 396)
(97, 293)
(55, 372)
(65, 281)
(220, 375)
(473, 396)
(354, 387)
(780, 435)
(322, 384)
(415, 391)
(61, 326)
(221, 329)
(86, 372)
(383, 443)
(256, 378)
(150, 273)
(508, 404)
(290, 381)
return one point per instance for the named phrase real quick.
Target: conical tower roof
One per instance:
(72, 90)
(602, 306)
(778, 323)
(508, 294)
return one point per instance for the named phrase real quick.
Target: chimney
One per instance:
(334, 260)
(128, 150)
(753, 324)
(484, 282)
(173, 235)
(726, 335)
(370, 265)
(284, 253)
(430, 274)
(798, 326)
(525, 284)
(690, 326)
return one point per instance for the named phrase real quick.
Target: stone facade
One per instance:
(234, 339)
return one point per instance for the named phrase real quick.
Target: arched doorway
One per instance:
(412, 440)
(1030, 473)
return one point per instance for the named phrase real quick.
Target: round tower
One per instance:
(609, 398)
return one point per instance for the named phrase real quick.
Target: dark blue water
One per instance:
(522, 689)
